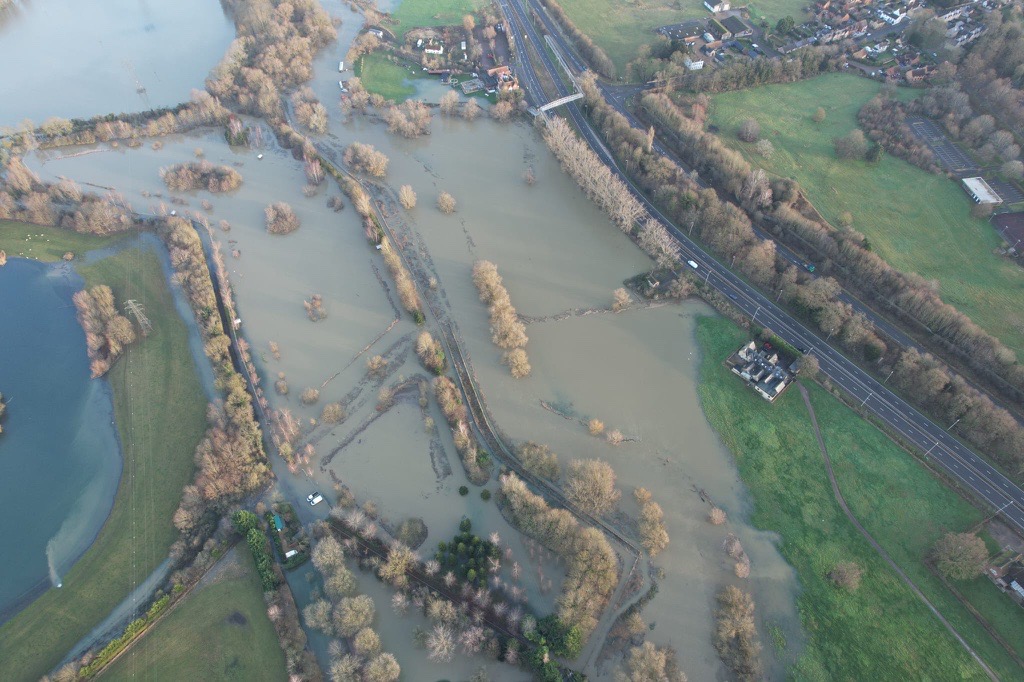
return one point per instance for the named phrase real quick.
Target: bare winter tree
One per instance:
(590, 484)
(407, 197)
(446, 203)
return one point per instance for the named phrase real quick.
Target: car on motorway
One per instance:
(733, 296)
(314, 499)
(809, 267)
(692, 264)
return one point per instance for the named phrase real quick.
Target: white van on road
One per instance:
(692, 264)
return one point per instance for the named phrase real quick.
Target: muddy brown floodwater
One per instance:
(635, 370)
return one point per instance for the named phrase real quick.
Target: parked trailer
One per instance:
(341, 66)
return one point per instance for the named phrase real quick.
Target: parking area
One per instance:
(951, 157)
(1007, 192)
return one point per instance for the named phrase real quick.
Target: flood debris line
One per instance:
(583, 312)
(404, 391)
(364, 349)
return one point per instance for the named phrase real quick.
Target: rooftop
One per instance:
(981, 191)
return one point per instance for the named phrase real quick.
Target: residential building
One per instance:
(693, 64)
(737, 27)
(717, 7)
(760, 368)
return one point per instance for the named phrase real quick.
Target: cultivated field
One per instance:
(220, 632)
(917, 221)
(418, 13)
(880, 631)
(160, 411)
(382, 76)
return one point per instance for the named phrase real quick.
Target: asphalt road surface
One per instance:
(941, 449)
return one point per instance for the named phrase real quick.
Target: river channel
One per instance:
(60, 455)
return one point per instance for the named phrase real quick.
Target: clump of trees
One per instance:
(518, 363)
(310, 395)
(450, 402)
(446, 203)
(592, 565)
(590, 484)
(739, 74)
(853, 145)
(883, 119)
(410, 119)
(653, 535)
(430, 353)
(539, 460)
(274, 53)
(107, 332)
(650, 663)
(182, 177)
(407, 293)
(736, 635)
(364, 158)
(309, 111)
(960, 556)
(315, 309)
(349, 616)
(333, 413)
(450, 103)
(595, 56)
(281, 218)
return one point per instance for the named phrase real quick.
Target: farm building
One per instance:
(738, 27)
(980, 191)
(717, 6)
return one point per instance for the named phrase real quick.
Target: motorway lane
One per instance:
(942, 449)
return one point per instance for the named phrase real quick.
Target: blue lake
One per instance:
(60, 459)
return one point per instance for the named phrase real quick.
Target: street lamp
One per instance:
(888, 377)
(830, 333)
(954, 423)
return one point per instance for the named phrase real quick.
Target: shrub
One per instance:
(446, 203)
(463, 490)
(485, 494)
(750, 130)
(310, 395)
(595, 426)
(716, 516)
(333, 413)
(846, 574)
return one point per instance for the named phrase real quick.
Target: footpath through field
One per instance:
(877, 547)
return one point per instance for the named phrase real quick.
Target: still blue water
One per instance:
(60, 458)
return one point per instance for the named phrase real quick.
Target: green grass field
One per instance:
(916, 221)
(881, 631)
(417, 13)
(47, 244)
(620, 27)
(160, 411)
(384, 77)
(220, 632)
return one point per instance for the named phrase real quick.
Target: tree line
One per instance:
(230, 460)
(450, 401)
(592, 571)
(739, 74)
(779, 205)
(595, 56)
(507, 331)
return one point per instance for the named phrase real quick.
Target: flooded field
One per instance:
(60, 458)
(81, 58)
(560, 260)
